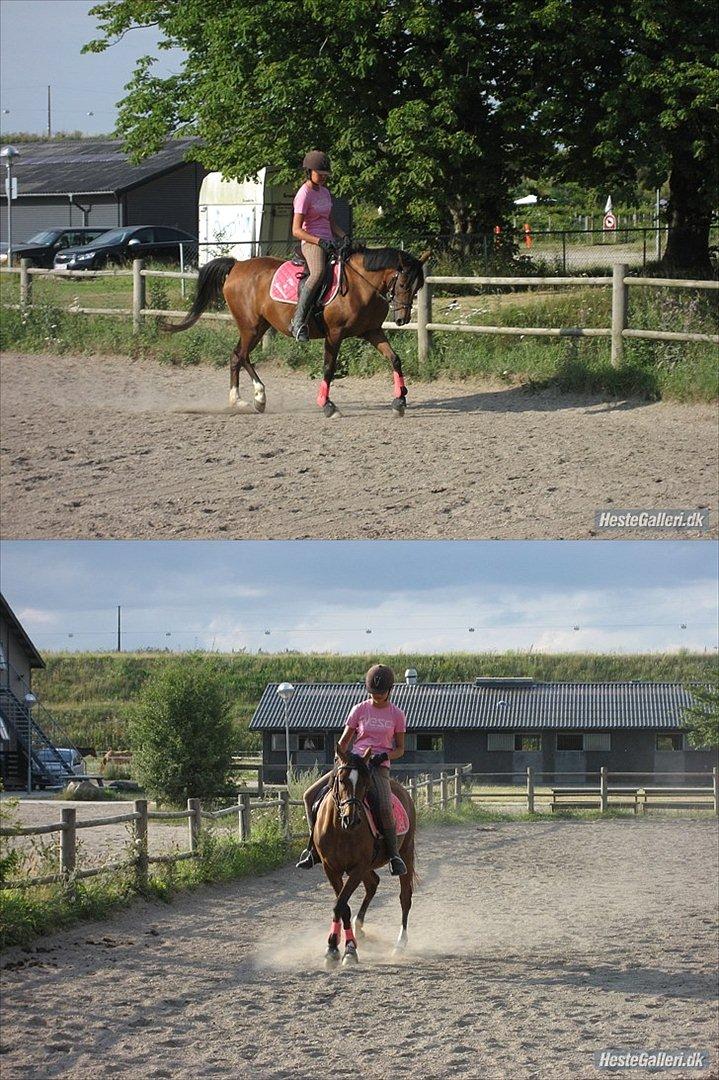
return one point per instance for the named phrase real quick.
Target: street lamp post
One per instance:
(30, 700)
(285, 690)
(9, 153)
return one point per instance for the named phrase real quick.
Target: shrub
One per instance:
(181, 733)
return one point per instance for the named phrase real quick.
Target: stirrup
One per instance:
(307, 859)
(397, 866)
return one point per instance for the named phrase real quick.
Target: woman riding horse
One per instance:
(377, 725)
(315, 228)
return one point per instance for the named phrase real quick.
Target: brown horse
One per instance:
(373, 277)
(344, 842)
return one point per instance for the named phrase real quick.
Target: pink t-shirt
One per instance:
(376, 728)
(315, 205)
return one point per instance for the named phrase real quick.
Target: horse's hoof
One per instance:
(330, 410)
(399, 406)
(350, 958)
(260, 405)
(359, 931)
(332, 959)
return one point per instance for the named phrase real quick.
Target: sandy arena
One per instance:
(115, 448)
(532, 946)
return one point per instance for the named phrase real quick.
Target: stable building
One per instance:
(500, 726)
(92, 182)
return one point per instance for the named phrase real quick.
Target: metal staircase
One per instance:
(30, 736)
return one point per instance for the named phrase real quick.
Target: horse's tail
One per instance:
(210, 281)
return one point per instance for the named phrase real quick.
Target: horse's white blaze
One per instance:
(353, 779)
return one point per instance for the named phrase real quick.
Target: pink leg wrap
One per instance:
(324, 393)
(398, 385)
(336, 929)
(349, 936)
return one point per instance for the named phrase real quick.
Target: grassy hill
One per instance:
(91, 694)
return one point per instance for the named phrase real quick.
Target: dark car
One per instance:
(131, 242)
(42, 248)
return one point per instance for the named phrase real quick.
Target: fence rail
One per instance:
(424, 326)
(450, 788)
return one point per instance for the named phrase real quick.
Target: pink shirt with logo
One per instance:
(315, 205)
(376, 728)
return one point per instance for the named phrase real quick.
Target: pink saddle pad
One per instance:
(286, 280)
(401, 818)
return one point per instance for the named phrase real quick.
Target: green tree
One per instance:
(630, 89)
(423, 104)
(181, 734)
(702, 717)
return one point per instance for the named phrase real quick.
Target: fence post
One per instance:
(603, 798)
(430, 789)
(619, 312)
(25, 285)
(458, 788)
(68, 849)
(284, 812)
(530, 790)
(443, 789)
(141, 863)
(194, 822)
(260, 782)
(413, 788)
(424, 316)
(245, 823)
(715, 782)
(138, 294)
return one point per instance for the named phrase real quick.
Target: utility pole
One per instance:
(49, 115)
(119, 628)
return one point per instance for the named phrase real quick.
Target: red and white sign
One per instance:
(610, 222)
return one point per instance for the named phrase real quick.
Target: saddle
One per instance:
(287, 279)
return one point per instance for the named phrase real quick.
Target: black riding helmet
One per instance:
(317, 160)
(379, 679)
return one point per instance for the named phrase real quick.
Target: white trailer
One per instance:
(244, 218)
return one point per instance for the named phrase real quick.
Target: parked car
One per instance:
(70, 756)
(133, 242)
(42, 248)
(3, 253)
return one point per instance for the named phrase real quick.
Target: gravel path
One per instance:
(114, 448)
(531, 946)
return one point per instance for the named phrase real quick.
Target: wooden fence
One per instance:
(444, 791)
(618, 332)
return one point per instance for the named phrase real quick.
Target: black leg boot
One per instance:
(397, 866)
(299, 325)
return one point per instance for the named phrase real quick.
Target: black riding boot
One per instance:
(309, 857)
(397, 866)
(299, 325)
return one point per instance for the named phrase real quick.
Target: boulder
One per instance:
(83, 789)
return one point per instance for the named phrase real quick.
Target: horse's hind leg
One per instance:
(241, 358)
(405, 899)
(370, 884)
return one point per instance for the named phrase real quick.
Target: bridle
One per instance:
(390, 286)
(353, 800)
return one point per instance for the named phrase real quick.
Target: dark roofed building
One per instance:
(92, 182)
(499, 725)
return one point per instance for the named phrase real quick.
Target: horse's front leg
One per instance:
(342, 911)
(370, 885)
(380, 342)
(332, 956)
(332, 348)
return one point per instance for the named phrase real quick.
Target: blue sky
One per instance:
(40, 43)
(626, 596)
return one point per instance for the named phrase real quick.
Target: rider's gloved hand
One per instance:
(328, 246)
(379, 759)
